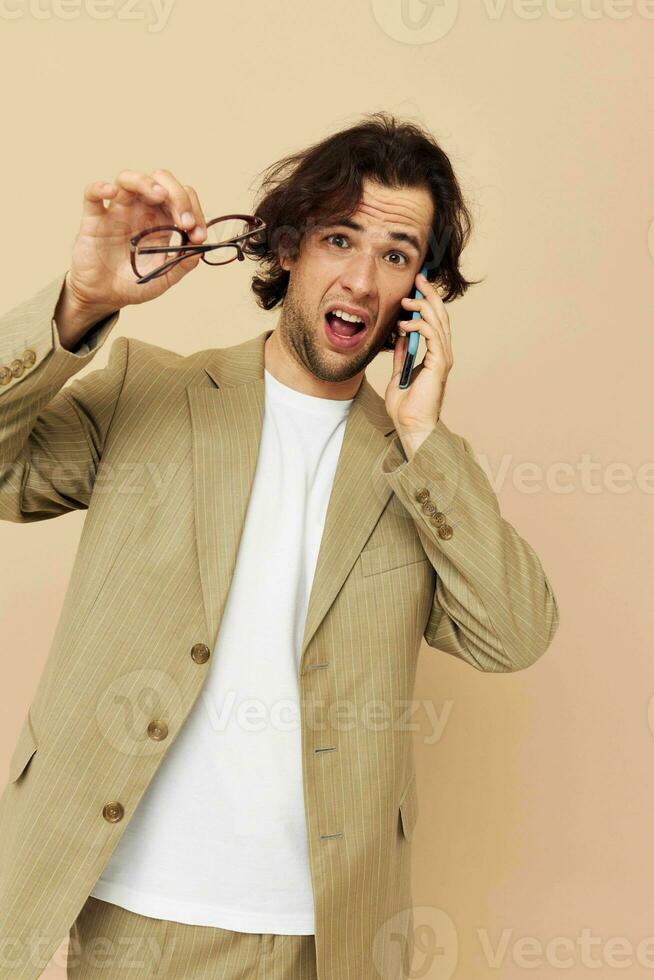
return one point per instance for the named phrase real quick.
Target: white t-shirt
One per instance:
(219, 836)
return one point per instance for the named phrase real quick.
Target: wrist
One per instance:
(411, 441)
(74, 319)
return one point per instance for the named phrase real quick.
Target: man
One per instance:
(266, 531)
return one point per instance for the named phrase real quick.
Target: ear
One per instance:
(286, 262)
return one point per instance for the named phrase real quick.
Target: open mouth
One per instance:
(343, 333)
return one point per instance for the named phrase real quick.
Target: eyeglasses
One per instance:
(154, 251)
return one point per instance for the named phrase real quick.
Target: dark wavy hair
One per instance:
(303, 190)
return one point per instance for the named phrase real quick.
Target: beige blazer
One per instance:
(160, 449)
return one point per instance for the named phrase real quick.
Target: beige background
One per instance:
(536, 789)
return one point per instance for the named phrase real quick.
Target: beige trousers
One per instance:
(107, 941)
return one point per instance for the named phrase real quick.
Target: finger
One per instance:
(180, 201)
(132, 184)
(94, 196)
(436, 340)
(200, 229)
(421, 306)
(429, 314)
(430, 292)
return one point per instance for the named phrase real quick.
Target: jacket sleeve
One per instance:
(493, 605)
(51, 440)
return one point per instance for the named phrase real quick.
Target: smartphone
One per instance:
(414, 338)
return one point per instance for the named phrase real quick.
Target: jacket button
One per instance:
(29, 357)
(422, 494)
(437, 519)
(17, 368)
(5, 375)
(158, 730)
(113, 812)
(429, 508)
(445, 531)
(200, 653)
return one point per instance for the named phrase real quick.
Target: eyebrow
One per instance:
(395, 236)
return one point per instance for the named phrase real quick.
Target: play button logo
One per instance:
(415, 21)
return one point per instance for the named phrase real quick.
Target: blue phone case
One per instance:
(414, 340)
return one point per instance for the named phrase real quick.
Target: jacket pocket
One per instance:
(409, 807)
(25, 748)
(394, 555)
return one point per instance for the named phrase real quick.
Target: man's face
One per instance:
(366, 270)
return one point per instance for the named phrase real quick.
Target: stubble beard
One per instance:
(298, 335)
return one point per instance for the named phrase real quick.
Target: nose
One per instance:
(359, 275)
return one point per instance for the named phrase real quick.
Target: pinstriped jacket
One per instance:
(160, 449)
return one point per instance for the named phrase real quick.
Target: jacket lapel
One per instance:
(226, 411)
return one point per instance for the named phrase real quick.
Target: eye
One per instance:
(335, 235)
(402, 255)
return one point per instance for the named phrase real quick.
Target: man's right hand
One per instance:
(100, 279)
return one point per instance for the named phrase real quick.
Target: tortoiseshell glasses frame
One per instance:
(187, 248)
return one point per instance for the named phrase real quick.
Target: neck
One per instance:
(288, 371)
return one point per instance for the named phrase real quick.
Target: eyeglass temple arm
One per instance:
(168, 265)
(156, 250)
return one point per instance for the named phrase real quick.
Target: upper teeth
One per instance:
(352, 317)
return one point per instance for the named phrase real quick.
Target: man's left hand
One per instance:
(415, 410)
